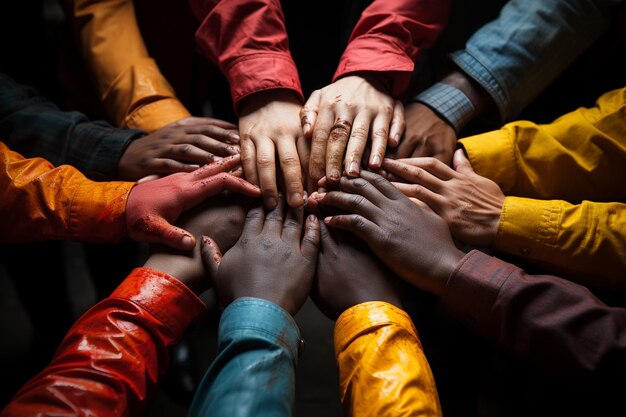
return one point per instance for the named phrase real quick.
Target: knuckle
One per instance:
(360, 132)
(381, 133)
(265, 162)
(290, 161)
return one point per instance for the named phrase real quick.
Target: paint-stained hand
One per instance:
(412, 241)
(182, 146)
(341, 117)
(272, 259)
(153, 205)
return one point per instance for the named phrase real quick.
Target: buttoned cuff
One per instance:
(529, 227)
(450, 103)
(153, 116)
(249, 317)
(165, 297)
(366, 317)
(492, 155)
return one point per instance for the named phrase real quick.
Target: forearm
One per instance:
(258, 347)
(111, 359)
(133, 90)
(382, 366)
(583, 241)
(35, 127)
(388, 38)
(43, 202)
(553, 323)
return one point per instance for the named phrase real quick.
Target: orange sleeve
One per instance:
(41, 202)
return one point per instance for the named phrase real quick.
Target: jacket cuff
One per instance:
(153, 116)
(492, 155)
(260, 72)
(473, 289)
(450, 103)
(365, 317)
(247, 316)
(98, 211)
(163, 296)
(390, 61)
(529, 227)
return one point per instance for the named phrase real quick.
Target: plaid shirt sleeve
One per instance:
(35, 127)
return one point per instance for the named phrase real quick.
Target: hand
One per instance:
(469, 203)
(152, 206)
(426, 134)
(269, 125)
(349, 274)
(182, 146)
(413, 242)
(222, 217)
(270, 261)
(340, 118)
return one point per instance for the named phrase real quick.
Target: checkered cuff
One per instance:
(449, 102)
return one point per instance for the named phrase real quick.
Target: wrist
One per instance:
(472, 90)
(444, 268)
(185, 266)
(260, 99)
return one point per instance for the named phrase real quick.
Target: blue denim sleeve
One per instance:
(254, 371)
(515, 56)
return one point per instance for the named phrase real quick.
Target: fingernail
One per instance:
(312, 218)
(334, 176)
(235, 137)
(187, 240)
(354, 168)
(295, 197)
(396, 138)
(270, 202)
(327, 219)
(306, 128)
(375, 161)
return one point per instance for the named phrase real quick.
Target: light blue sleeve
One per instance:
(254, 372)
(515, 56)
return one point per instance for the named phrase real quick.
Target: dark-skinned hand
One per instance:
(412, 241)
(272, 259)
(182, 146)
(153, 205)
(348, 273)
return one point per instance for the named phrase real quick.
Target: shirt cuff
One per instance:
(450, 103)
(153, 116)
(365, 317)
(163, 296)
(492, 155)
(473, 289)
(254, 317)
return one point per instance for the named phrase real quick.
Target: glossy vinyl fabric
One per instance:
(41, 202)
(111, 359)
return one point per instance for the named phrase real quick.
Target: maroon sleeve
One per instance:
(554, 323)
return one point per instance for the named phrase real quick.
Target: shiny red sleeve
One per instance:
(389, 37)
(247, 40)
(110, 361)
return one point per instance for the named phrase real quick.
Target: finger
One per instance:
(362, 187)
(355, 224)
(189, 153)
(416, 174)
(321, 131)
(336, 147)
(461, 163)
(311, 239)
(211, 256)
(303, 146)
(266, 167)
(149, 178)
(228, 134)
(327, 240)
(200, 190)
(381, 185)
(159, 230)
(223, 165)
(421, 204)
(248, 160)
(275, 217)
(356, 144)
(213, 144)
(255, 219)
(164, 166)
(433, 165)
(380, 134)
(435, 201)
(292, 227)
(352, 203)
(308, 113)
(398, 124)
(195, 121)
(292, 171)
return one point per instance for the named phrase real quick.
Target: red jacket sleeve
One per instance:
(110, 360)
(389, 37)
(247, 40)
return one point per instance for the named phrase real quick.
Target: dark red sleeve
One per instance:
(111, 359)
(389, 37)
(247, 40)
(554, 323)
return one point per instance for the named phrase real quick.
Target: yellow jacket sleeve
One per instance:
(132, 89)
(41, 202)
(579, 156)
(585, 241)
(382, 367)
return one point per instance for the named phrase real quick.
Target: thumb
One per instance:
(461, 163)
(311, 239)
(158, 230)
(211, 255)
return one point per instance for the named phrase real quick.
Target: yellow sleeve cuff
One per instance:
(153, 116)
